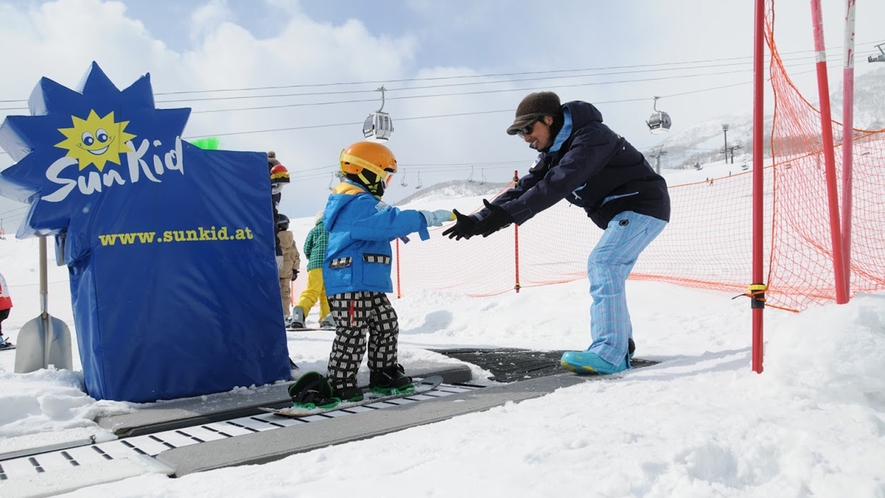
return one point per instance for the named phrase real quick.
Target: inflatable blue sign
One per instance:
(170, 248)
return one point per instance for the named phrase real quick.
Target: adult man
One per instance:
(583, 161)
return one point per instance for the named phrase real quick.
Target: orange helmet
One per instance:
(370, 164)
(279, 174)
(369, 155)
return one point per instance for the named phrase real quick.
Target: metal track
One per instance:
(153, 444)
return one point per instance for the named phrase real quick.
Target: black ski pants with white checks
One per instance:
(358, 315)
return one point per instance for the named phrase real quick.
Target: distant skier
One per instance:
(356, 273)
(5, 307)
(315, 251)
(291, 262)
(279, 178)
(585, 162)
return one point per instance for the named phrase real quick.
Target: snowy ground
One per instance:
(700, 424)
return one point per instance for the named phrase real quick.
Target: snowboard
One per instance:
(310, 329)
(7, 347)
(421, 386)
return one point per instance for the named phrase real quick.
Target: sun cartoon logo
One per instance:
(95, 140)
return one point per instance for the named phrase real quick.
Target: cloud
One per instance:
(326, 62)
(206, 17)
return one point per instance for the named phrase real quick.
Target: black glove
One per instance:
(463, 227)
(494, 221)
(294, 274)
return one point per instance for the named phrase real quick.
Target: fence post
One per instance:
(829, 155)
(847, 141)
(399, 291)
(516, 242)
(757, 302)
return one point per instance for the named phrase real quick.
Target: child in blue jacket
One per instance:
(356, 273)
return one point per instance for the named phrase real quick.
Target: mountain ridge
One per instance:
(704, 142)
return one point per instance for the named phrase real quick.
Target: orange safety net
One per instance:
(706, 245)
(708, 242)
(801, 267)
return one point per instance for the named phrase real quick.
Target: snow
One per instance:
(699, 424)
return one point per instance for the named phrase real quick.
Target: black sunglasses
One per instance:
(528, 128)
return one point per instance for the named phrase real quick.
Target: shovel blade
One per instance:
(31, 345)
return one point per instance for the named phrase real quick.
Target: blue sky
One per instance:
(455, 70)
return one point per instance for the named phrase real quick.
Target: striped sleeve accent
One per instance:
(377, 258)
(341, 262)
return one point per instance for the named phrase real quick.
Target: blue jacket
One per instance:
(358, 258)
(592, 167)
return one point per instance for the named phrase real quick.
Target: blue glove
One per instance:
(437, 218)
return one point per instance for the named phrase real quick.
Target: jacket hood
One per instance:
(583, 113)
(345, 192)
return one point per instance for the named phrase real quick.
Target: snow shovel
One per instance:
(45, 340)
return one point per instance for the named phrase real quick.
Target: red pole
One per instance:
(399, 291)
(847, 139)
(757, 288)
(823, 90)
(516, 242)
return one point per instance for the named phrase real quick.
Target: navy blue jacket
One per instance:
(592, 167)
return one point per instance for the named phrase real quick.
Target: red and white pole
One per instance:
(847, 139)
(826, 119)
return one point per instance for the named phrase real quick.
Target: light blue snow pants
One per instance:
(608, 267)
